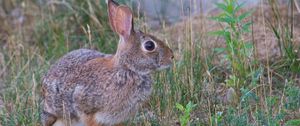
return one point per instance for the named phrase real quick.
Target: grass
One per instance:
(244, 91)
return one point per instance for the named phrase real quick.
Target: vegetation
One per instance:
(240, 89)
(186, 117)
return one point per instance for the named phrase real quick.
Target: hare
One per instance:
(89, 88)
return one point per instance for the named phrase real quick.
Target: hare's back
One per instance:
(73, 60)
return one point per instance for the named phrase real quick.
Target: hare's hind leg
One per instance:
(47, 119)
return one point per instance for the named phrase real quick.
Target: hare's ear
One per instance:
(112, 12)
(123, 21)
(120, 18)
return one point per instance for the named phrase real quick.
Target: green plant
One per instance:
(293, 98)
(185, 118)
(237, 52)
(293, 122)
(217, 119)
(284, 33)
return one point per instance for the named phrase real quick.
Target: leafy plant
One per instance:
(217, 119)
(293, 98)
(186, 116)
(237, 52)
(294, 122)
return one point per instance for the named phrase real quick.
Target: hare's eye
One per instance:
(149, 45)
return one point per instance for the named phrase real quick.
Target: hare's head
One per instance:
(137, 51)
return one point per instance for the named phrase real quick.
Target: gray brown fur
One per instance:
(99, 89)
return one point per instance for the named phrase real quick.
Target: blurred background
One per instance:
(237, 61)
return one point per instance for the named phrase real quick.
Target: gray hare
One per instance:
(89, 88)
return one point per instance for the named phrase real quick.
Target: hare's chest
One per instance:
(140, 93)
(128, 103)
(133, 89)
(136, 94)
